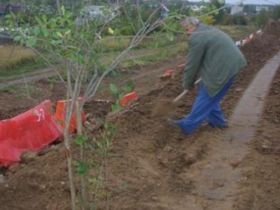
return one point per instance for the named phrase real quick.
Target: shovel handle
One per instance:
(180, 96)
(184, 92)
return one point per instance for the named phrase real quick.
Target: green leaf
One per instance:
(67, 32)
(59, 34)
(63, 10)
(17, 38)
(45, 19)
(128, 87)
(110, 128)
(110, 31)
(82, 168)
(31, 42)
(52, 24)
(170, 36)
(93, 180)
(39, 21)
(36, 31)
(81, 140)
(45, 32)
(75, 56)
(56, 42)
(114, 90)
(116, 106)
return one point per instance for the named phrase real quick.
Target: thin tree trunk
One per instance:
(70, 170)
(82, 158)
(57, 2)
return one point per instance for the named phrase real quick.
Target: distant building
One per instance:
(236, 10)
(94, 12)
(263, 7)
(2, 10)
(249, 9)
(6, 8)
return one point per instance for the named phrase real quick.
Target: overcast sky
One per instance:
(255, 1)
(269, 2)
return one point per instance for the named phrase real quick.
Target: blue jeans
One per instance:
(205, 108)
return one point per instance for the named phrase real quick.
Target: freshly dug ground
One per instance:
(148, 166)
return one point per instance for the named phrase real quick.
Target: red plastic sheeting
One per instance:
(29, 131)
(168, 73)
(60, 115)
(132, 96)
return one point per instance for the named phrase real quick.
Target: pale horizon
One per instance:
(261, 2)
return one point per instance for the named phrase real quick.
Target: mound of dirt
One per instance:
(265, 44)
(257, 52)
(272, 27)
(150, 162)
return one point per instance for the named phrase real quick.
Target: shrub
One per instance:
(262, 18)
(235, 20)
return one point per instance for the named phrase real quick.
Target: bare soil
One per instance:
(150, 162)
(261, 188)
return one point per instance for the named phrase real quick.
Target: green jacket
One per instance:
(214, 57)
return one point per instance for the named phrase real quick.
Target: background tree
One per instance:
(219, 4)
(276, 13)
(262, 18)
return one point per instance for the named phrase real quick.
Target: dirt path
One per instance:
(28, 77)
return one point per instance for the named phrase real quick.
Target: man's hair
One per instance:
(190, 21)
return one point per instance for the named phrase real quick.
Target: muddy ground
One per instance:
(261, 189)
(150, 162)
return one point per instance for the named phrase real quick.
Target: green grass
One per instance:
(166, 50)
(158, 54)
(156, 40)
(238, 32)
(23, 91)
(12, 54)
(121, 42)
(21, 67)
(15, 60)
(157, 46)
